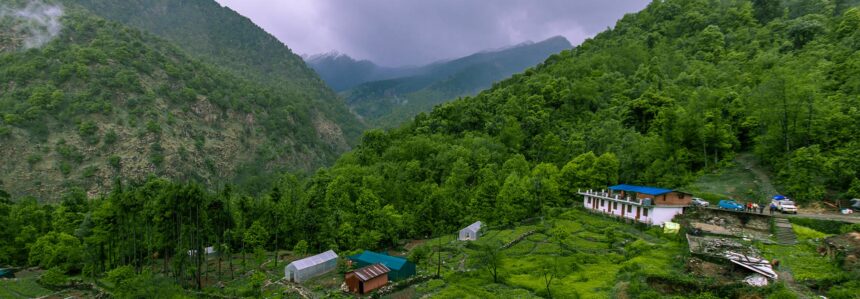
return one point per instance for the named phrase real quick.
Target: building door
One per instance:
(623, 209)
(638, 210)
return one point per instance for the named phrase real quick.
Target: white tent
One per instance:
(310, 267)
(471, 232)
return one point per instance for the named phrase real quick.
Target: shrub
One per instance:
(301, 248)
(153, 127)
(850, 228)
(824, 226)
(110, 137)
(33, 159)
(115, 162)
(65, 168)
(54, 278)
(156, 156)
(87, 129)
(90, 171)
(57, 250)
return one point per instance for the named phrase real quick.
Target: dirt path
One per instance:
(749, 163)
(799, 290)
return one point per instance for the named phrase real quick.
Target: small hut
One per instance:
(400, 267)
(364, 280)
(471, 232)
(310, 267)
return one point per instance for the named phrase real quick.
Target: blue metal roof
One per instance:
(370, 257)
(779, 197)
(640, 189)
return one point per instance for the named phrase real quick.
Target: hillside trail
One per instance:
(749, 162)
(798, 289)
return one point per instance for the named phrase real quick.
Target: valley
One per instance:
(387, 97)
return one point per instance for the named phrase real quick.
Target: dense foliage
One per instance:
(103, 101)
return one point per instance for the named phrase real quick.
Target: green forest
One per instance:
(668, 94)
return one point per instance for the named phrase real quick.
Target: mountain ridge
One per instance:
(392, 101)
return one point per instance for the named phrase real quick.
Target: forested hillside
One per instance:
(221, 37)
(101, 102)
(390, 102)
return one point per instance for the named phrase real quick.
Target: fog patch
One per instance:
(31, 26)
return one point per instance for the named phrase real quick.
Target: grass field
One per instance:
(24, 287)
(588, 255)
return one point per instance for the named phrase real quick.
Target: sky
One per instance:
(414, 32)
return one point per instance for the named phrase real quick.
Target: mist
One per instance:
(38, 23)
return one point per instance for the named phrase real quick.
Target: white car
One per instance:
(785, 206)
(698, 202)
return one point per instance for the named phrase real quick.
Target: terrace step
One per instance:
(784, 233)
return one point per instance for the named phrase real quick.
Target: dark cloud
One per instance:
(399, 32)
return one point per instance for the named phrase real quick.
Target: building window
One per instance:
(602, 202)
(645, 212)
(589, 199)
(615, 205)
(630, 209)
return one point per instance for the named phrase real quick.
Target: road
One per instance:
(853, 218)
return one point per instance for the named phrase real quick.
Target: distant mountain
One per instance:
(389, 102)
(342, 72)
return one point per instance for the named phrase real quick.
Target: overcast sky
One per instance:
(410, 32)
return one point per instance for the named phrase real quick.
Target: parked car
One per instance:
(728, 204)
(698, 202)
(785, 206)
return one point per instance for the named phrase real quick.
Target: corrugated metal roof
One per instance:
(370, 272)
(314, 260)
(370, 257)
(640, 189)
(474, 226)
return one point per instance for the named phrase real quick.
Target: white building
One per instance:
(310, 267)
(643, 204)
(471, 232)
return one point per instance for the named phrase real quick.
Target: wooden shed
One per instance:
(364, 280)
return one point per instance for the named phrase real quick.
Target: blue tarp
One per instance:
(400, 267)
(779, 197)
(640, 189)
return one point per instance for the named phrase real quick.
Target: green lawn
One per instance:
(802, 259)
(587, 253)
(22, 288)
